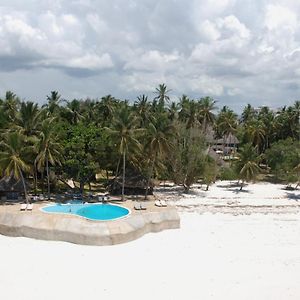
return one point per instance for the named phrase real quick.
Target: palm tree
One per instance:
(173, 111)
(53, 102)
(48, 148)
(226, 123)
(247, 165)
(12, 157)
(206, 108)
(107, 107)
(74, 113)
(256, 132)
(11, 105)
(248, 114)
(124, 130)
(28, 118)
(158, 143)
(143, 110)
(162, 95)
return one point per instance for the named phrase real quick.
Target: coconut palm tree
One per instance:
(124, 131)
(107, 107)
(53, 100)
(12, 157)
(142, 108)
(248, 114)
(206, 108)
(28, 118)
(247, 165)
(256, 132)
(74, 112)
(162, 95)
(11, 105)
(48, 149)
(158, 143)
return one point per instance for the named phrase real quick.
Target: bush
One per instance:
(227, 173)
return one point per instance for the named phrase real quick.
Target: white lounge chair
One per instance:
(137, 206)
(157, 203)
(30, 207)
(163, 203)
(143, 206)
(23, 206)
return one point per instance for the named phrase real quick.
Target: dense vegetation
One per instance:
(161, 139)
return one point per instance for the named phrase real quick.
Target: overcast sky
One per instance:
(236, 51)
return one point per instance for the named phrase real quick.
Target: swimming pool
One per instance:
(96, 212)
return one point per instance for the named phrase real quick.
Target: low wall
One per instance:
(86, 232)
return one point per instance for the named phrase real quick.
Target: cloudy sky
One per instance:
(236, 51)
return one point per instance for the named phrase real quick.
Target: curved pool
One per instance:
(96, 212)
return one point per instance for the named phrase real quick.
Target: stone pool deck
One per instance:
(63, 227)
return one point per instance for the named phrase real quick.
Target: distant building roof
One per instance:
(10, 184)
(228, 139)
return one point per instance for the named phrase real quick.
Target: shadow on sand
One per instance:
(293, 196)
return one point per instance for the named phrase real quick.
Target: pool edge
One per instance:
(57, 227)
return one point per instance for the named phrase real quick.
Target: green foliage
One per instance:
(247, 166)
(228, 173)
(154, 135)
(188, 158)
(283, 158)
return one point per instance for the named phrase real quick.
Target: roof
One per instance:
(133, 179)
(228, 139)
(10, 184)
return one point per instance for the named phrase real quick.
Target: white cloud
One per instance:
(245, 50)
(280, 17)
(152, 60)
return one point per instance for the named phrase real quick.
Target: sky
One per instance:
(235, 51)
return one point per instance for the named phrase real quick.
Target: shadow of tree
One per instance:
(238, 191)
(230, 185)
(293, 196)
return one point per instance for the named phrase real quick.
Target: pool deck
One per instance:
(70, 228)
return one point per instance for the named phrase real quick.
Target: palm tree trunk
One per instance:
(116, 175)
(149, 178)
(42, 177)
(242, 184)
(35, 178)
(24, 185)
(123, 179)
(48, 179)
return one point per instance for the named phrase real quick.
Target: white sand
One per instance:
(212, 256)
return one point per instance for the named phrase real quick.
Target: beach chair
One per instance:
(23, 206)
(143, 206)
(137, 206)
(157, 203)
(29, 207)
(163, 203)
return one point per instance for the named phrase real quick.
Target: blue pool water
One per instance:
(99, 212)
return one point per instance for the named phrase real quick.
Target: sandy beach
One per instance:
(231, 245)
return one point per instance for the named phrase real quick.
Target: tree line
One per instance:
(161, 139)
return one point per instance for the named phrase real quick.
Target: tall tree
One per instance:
(13, 151)
(48, 148)
(124, 130)
(162, 95)
(206, 108)
(157, 143)
(247, 165)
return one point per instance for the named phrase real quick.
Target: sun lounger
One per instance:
(137, 206)
(163, 203)
(143, 206)
(157, 203)
(23, 206)
(30, 207)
